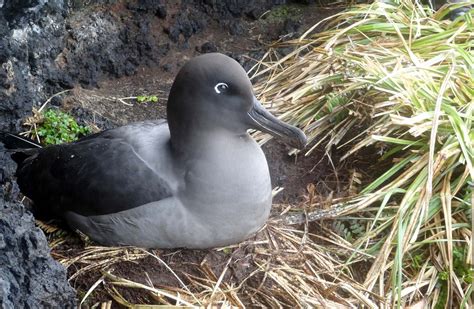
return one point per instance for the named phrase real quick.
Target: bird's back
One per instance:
(101, 174)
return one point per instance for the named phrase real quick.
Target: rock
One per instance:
(167, 67)
(102, 44)
(187, 22)
(30, 36)
(8, 189)
(208, 47)
(29, 277)
(229, 13)
(155, 7)
(235, 27)
(226, 9)
(291, 26)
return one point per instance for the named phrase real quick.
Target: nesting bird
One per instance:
(197, 180)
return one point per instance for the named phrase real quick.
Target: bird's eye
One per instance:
(221, 88)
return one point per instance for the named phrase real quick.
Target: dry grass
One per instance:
(397, 77)
(282, 266)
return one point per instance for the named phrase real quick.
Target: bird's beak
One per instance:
(262, 120)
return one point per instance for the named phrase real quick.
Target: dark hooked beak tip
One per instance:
(262, 120)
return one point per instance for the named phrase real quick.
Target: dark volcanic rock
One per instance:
(31, 33)
(29, 277)
(8, 189)
(188, 22)
(208, 47)
(18, 12)
(229, 12)
(227, 9)
(291, 26)
(44, 51)
(151, 6)
(167, 67)
(234, 27)
(101, 43)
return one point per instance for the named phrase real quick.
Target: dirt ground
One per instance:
(109, 105)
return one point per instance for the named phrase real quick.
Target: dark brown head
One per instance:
(212, 92)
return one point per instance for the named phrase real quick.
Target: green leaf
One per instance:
(58, 127)
(141, 99)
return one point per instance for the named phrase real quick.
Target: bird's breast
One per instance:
(232, 173)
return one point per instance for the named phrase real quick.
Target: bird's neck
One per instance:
(196, 143)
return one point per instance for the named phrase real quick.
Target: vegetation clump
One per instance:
(395, 76)
(283, 12)
(57, 127)
(147, 98)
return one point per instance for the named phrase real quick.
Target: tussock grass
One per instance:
(397, 77)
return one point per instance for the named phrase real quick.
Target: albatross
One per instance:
(197, 180)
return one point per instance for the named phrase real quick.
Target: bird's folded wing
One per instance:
(95, 176)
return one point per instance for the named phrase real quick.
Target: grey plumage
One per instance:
(197, 181)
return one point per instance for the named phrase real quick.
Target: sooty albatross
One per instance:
(198, 180)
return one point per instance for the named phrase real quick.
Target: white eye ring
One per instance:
(218, 87)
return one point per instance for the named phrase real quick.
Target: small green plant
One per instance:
(58, 127)
(463, 270)
(147, 98)
(349, 230)
(283, 12)
(417, 261)
(443, 288)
